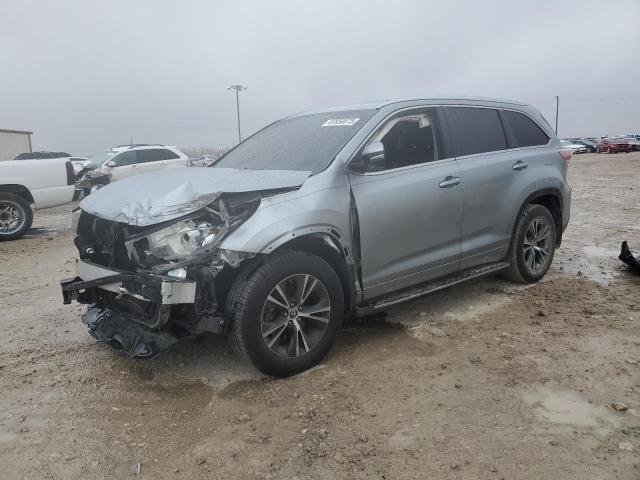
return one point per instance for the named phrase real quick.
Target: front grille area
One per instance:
(102, 242)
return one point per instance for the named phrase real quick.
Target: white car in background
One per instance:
(40, 183)
(575, 147)
(128, 160)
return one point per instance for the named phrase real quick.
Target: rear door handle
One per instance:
(520, 165)
(449, 182)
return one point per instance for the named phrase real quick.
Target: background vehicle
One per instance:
(588, 144)
(40, 155)
(634, 142)
(613, 145)
(203, 161)
(128, 160)
(42, 183)
(79, 164)
(319, 216)
(576, 147)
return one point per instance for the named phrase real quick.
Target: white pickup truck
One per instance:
(42, 183)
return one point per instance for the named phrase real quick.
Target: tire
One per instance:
(520, 255)
(265, 332)
(16, 216)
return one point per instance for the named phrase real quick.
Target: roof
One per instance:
(4, 130)
(377, 104)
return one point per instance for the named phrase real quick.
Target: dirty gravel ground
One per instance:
(484, 380)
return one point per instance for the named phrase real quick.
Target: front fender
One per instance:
(284, 217)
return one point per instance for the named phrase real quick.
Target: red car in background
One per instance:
(613, 145)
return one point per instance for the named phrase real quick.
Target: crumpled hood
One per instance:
(171, 193)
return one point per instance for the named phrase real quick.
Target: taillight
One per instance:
(71, 177)
(566, 154)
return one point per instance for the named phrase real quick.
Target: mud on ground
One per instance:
(484, 380)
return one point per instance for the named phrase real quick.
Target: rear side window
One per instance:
(155, 155)
(526, 133)
(164, 154)
(475, 130)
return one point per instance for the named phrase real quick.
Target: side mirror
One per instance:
(370, 159)
(373, 152)
(111, 163)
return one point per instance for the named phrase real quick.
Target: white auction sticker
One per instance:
(340, 122)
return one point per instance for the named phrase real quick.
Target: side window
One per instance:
(168, 155)
(156, 154)
(525, 132)
(125, 158)
(405, 140)
(475, 130)
(146, 156)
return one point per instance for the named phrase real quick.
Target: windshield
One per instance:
(100, 158)
(303, 143)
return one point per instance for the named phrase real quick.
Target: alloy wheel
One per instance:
(295, 315)
(537, 244)
(12, 217)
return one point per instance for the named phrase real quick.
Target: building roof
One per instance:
(4, 130)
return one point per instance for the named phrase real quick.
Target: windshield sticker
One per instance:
(340, 122)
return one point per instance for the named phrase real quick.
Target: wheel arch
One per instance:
(19, 190)
(551, 199)
(323, 242)
(329, 247)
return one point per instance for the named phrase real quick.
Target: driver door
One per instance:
(409, 204)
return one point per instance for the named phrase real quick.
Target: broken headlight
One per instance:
(180, 239)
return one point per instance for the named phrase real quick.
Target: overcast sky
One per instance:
(85, 75)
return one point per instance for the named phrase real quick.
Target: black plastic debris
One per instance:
(627, 257)
(129, 338)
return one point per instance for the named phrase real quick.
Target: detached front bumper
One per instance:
(126, 310)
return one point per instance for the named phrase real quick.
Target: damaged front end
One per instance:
(91, 179)
(147, 286)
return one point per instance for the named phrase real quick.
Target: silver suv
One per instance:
(319, 216)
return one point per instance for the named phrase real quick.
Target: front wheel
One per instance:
(15, 216)
(532, 246)
(285, 315)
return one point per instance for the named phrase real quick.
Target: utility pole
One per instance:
(238, 89)
(557, 110)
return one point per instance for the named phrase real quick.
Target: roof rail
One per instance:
(131, 145)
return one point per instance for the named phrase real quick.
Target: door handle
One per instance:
(449, 182)
(520, 165)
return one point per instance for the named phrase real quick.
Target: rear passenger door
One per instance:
(499, 157)
(157, 158)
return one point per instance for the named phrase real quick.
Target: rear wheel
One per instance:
(15, 216)
(532, 246)
(286, 314)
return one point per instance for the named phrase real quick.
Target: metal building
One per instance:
(13, 142)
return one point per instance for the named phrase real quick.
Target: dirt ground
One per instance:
(488, 380)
